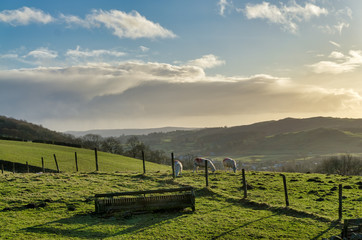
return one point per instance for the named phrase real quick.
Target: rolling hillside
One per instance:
(22, 152)
(317, 135)
(271, 141)
(23, 130)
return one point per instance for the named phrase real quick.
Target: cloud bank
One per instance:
(156, 92)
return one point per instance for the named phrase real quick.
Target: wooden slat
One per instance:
(351, 226)
(144, 192)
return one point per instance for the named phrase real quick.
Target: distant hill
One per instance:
(11, 128)
(120, 132)
(290, 135)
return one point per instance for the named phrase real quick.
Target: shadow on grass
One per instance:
(334, 224)
(93, 226)
(241, 226)
(246, 203)
(264, 206)
(283, 210)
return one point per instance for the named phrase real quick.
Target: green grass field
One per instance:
(61, 206)
(22, 152)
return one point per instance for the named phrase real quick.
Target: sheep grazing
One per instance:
(178, 168)
(229, 164)
(200, 162)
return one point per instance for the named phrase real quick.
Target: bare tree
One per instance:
(135, 146)
(112, 145)
(92, 141)
(344, 165)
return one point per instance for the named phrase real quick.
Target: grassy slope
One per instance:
(32, 153)
(220, 211)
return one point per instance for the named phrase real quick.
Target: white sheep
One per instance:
(178, 168)
(229, 163)
(200, 162)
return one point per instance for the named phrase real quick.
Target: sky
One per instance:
(86, 64)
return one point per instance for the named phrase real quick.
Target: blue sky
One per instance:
(79, 65)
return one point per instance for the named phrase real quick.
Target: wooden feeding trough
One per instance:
(352, 227)
(139, 201)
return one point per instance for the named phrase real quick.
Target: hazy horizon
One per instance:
(84, 65)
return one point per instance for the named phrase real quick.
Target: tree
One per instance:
(92, 141)
(112, 145)
(188, 161)
(343, 165)
(156, 156)
(135, 146)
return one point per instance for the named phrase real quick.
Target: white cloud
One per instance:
(341, 64)
(42, 53)
(72, 20)
(223, 4)
(335, 44)
(129, 25)
(124, 25)
(25, 16)
(287, 16)
(41, 56)
(77, 53)
(337, 55)
(144, 49)
(333, 29)
(10, 56)
(342, 17)
(207, 61)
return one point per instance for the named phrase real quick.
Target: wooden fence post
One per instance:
(244, 184)
(27, 167)
(144, 164)
(56, 163)
(76, 161)
(285, 190)
(42, 164)
(340, 202)
(173, 166)
(2, 168)
(206, 174)
(96, 155)
(13, 167)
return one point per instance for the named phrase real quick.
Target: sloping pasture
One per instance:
(22, 152)
(61, 206)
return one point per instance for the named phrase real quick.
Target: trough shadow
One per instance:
(83, 225)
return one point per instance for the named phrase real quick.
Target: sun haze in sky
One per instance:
(86, 64)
